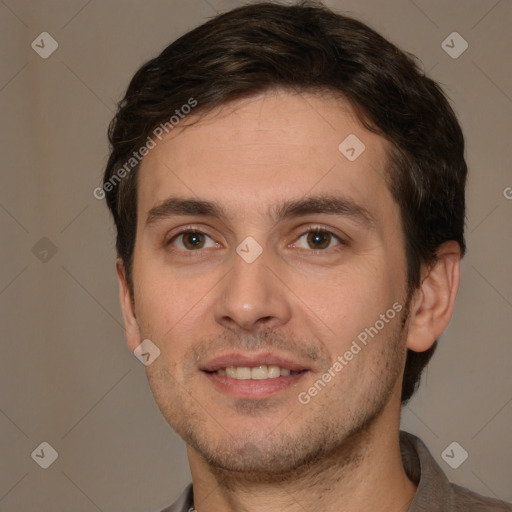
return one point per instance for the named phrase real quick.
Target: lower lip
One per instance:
(252, 388)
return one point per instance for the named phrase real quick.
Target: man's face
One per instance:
(214, 309)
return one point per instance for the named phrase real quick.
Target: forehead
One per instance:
(253, 153)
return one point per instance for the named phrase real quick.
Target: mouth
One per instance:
(253, 376)
(261, 372)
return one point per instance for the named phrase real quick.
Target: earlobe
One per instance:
(131, 325)
(434, 301)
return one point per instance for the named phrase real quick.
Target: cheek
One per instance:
(342, 306)
(161, 296)
(171, 307)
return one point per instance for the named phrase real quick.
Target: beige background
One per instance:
(66, 376)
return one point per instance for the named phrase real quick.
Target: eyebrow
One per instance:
(318, 204)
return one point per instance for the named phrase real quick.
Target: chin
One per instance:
(258, 457)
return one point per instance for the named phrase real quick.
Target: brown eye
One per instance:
(193, 240)
(190, 240)
(319, 239)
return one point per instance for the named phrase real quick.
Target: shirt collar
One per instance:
(433, 487)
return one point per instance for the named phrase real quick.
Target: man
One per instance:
(288, 192)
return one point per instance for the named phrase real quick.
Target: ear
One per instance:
(131, 326)
(433, 303)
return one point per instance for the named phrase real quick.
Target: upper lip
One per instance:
(252, 360)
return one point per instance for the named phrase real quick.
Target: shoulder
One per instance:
(465, 500)
(435, 492)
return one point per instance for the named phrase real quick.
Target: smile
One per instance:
(261, 372)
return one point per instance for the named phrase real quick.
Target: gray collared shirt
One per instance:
(434, 493)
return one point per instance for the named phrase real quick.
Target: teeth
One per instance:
(273, 372)
(243, 373)
(257, 373)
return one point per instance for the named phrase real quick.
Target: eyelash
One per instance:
(310, 229)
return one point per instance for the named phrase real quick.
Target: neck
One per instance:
(364, 474)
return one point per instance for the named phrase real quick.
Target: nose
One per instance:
(252, 296)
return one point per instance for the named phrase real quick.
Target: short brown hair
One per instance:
(308, 47)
